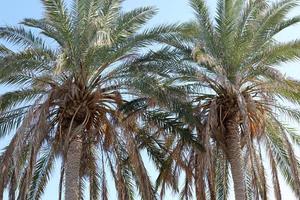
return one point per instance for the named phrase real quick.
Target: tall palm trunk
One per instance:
(234, 154)
(72, 190)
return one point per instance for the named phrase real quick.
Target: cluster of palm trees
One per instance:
(205, 99)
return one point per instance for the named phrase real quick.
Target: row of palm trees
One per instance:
(204, 99)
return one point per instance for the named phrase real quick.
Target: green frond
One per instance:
(41, 174)
(84, 10)
(289, 112)
(130, 22)
(227, 12)
(4, 50)
(57, 14)
(17, 80)
(46, 29)
(281, 26)
(191, 29)
(154, 147)
(11, 100)
(294, 135)
(275, 14)
(11, 120)
(280, 53)
(28, 61)
(281, 155)
(205, 23)
(109, 12)
(20, 36)
(249, 15)
(170, 124)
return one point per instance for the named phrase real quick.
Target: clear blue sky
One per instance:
(13, 11)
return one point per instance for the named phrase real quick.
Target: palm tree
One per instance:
(239, 97)
(72, 82)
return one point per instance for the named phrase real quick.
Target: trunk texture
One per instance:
(72, 179)
(234, 154)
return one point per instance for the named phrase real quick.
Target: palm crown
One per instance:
(69, 96)
(237, 92)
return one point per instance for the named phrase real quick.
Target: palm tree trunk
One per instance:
(72, 179)
(234, 154)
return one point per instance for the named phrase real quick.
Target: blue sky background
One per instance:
(170, 11)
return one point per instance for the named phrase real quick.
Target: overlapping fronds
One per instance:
(74, 90)
(235, 57)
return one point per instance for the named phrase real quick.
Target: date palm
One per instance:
(71, 81)
(239, 97)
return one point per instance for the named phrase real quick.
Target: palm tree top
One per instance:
(72, 92)
(239, 94)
